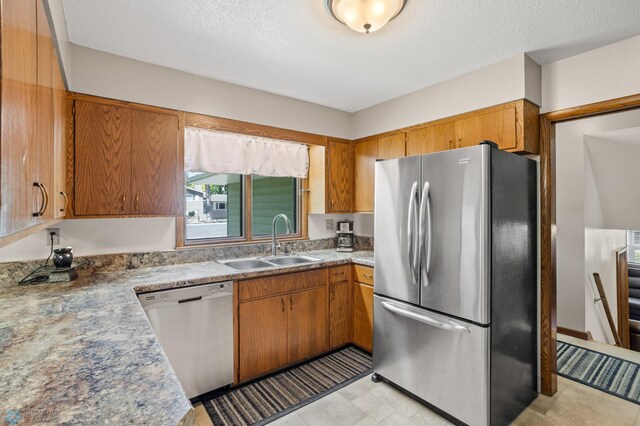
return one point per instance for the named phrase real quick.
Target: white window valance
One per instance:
(221, 152)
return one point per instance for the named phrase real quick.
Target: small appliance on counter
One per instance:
(346, 236)
(62, 270)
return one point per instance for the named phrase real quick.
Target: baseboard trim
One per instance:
(584, 335)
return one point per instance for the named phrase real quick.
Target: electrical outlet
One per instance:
(329, 224)
(56, 236)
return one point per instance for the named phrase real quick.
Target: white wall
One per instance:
(98, 236)
(584, 244)
(609, 72)
(515, 78)
(103, 74)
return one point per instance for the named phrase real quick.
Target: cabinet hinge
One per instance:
(73, 108)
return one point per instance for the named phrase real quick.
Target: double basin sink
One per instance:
(268, 262)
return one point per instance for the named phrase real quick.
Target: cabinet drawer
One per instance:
(363, 274)
(277, 284)
(339, 274)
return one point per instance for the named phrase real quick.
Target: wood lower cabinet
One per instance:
(363, 307)
(307, 324)
(340, 313)
(262, 336)
(281, 329)
(125, 160)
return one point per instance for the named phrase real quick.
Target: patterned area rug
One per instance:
(604, 372)
(269, 398)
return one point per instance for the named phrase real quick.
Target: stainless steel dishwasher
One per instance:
(194, 326)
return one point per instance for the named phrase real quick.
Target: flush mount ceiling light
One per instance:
(365, 16)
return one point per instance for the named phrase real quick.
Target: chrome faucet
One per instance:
(274, 246)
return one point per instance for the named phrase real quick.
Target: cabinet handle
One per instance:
(137, 203)
(368, 276)
(66, 201)
(282, 303)
(41, 209)
(337, 274)
(124, 201)
(291, 302)
(46, 199)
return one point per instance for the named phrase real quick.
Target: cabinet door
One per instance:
(60, 196)
(154, 159)
(340, 314)
(19, 199)
(365, 162)
(363, 315)
(307, 323)
(431, 139)
(44, 113)
(102, 159)
(262, 336)
(498, 126)
(391, 147)
(340, 169)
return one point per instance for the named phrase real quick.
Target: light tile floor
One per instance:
(366, 403)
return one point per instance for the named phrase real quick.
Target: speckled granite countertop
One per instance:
(84, 353)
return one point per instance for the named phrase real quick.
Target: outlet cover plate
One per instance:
(329, 224)
(56, 237)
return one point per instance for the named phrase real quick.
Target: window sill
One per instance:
(210, 244)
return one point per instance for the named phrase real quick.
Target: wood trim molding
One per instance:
(548, 326)
(604, 107)
(622, 296)
(584, 335)
(228, 125)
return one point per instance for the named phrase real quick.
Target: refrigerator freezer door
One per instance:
(397, 257)
(441, 360)
(455, 233)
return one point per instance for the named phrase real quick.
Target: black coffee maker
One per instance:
(346, 236)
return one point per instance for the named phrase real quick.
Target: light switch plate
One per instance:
(329, 224)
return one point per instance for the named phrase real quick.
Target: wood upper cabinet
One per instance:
(18, 154)
(366, 154)
(340, 176)
(262, 336)
(307, 324)
(391, 147)
(125, 160)
(102, 159)
(154, 163)
(440, 137)
(498, 126)
(340, 313)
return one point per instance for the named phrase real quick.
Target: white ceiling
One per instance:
(295, 48)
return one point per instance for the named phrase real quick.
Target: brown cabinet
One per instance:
(440, 137)
(498, 126)
(60, 197)
(340, 313)
(307, 324)
(281, 329)
(262, 336)
(27, 161)
(363, 306)
(331, 177)
(125, 160)
(366, 154)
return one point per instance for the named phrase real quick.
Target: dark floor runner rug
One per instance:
(267, 399)
(607, 373)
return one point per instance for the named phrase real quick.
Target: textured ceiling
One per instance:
(295, 48)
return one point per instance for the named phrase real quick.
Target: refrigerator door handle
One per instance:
(412, 224)
(450, 326)
(426, 229)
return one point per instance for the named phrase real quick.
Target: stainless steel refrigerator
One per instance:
(455, 284)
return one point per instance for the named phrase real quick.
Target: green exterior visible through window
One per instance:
(269, 197)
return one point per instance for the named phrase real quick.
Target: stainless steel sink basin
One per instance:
(243, 264)
(268, 262)
(292, 260)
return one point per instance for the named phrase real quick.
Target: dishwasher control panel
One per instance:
(186, 294)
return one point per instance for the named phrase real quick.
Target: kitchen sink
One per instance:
(268, 262)
(293, 260)
(243, 264)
